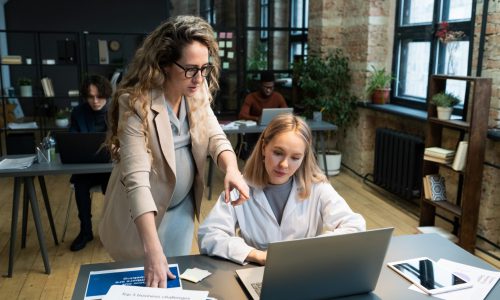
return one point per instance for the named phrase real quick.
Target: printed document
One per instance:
(17, 163)
(119, 292)
(100, 282)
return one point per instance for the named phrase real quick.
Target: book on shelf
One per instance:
(12, 59)
(437, 187)
(427, 188)
(48, 88)
(102, 45)
(439, 152)
(461, 156)
(445, 161)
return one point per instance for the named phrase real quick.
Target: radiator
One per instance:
(398, 162)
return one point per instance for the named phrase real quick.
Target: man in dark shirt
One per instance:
(253, 105)
(89, 116)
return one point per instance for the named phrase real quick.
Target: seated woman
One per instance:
(290, 198)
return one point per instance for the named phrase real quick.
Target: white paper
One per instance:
(17, 163)
(482, 281)
(26, 125)
(230, 54)
(229, 44)
(118, 292)
(195, 275)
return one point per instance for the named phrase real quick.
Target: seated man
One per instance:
(89, 116)
(255, 102)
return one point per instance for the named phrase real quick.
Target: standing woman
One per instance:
(162, 129)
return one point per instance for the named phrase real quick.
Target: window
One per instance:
(264, 18)
(299, 17)
(207, 11)
(431, 37)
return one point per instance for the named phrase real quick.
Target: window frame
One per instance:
(426, 32)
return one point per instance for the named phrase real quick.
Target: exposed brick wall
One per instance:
(365, 31)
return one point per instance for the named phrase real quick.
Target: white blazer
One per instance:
(324, 212)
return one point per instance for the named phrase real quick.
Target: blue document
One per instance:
(101, 281)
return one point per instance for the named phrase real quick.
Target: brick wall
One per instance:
(365, 31)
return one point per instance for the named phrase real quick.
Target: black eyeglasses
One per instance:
(192, 71)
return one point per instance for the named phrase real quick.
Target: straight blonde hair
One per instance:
(306, 175)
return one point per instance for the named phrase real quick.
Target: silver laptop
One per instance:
(320, 267)
(269, 113)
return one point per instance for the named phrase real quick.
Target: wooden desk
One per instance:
(26, 177)
(223, 283)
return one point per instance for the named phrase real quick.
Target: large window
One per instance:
(432, 37)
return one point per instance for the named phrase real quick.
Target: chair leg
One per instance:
(67, 214)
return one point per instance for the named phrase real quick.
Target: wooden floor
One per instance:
(30, 282)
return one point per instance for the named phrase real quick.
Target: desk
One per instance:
(316, 127)
(223, 283)
(27, 176)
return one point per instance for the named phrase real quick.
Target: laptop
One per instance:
(319, 268)
(269, 113)
(82, 148)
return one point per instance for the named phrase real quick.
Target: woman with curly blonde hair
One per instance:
(161, 130)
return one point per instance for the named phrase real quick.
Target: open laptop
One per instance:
(81, 148)
(319, 268)
(269, 113)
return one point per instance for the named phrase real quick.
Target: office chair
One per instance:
(93, 189)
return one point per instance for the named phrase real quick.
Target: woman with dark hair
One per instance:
(162, 129)
(89, 116)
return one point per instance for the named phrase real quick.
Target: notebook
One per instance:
(269, 113)
(319, 268)
(82, 148)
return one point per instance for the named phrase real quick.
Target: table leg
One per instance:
(38, 224)
(41, 181)
(25, 217)
(323, 149)
(13, 224)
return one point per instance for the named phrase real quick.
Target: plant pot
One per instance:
(444, 113)
(317, 116)
(381, 96)
(62, 122)
(26, 91)
(333, 159)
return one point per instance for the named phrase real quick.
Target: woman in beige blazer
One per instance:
(162, 129)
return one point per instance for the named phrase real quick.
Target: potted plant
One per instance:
(62, 117)
(378, 88)
(324, 84)
(444, 103)
(25, 88)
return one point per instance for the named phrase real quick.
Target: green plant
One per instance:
(325, 86)
(24, 81)
(63, 113)
(379, 79)
(445, 99)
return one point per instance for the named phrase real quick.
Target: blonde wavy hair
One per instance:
(161, 48)
(308, 172)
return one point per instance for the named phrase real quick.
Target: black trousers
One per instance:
(82, 184)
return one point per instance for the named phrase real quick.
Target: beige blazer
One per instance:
(136, 186)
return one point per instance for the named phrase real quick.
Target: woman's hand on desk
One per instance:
(156, 268)
(257, 256)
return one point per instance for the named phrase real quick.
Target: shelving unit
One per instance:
(473, 128)
(71, 55)
(43, 54)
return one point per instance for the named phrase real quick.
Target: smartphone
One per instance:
(429, 276)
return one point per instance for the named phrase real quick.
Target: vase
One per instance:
(26, 91)
(333, 159)
(444, 113)
(380, 96)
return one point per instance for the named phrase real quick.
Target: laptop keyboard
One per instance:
(257, 286)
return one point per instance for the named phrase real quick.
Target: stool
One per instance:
(93, 189)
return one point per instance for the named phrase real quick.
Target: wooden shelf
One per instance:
(447, 206)
(474, 131)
